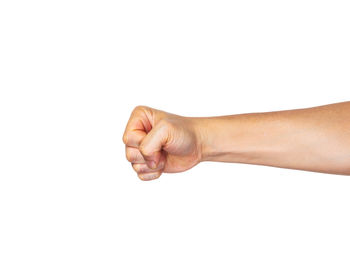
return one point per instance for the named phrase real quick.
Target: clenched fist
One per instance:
(158, 142)
(314, 139)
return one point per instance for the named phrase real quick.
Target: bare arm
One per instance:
(313, 139)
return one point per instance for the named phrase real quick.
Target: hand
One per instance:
(158, 142)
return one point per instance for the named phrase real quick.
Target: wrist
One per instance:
(225, 139)
(205, 136)
(239, 138)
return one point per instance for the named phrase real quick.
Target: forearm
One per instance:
(314, 139)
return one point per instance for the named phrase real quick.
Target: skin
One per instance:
(313, 139)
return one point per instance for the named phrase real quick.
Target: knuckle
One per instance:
(140, 168)
(149, 176)
(142, 177)
(125, 139)
(166, 124)
(129, 155)
(139, 108)
(136, 167)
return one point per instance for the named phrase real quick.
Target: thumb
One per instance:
(152, 143)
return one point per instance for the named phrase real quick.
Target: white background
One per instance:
(71, 207)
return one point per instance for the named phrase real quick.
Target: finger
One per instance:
(151, 145)
(149, 176)
(133, 155)
(133, 138)
(137, 127)
(143, 167)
